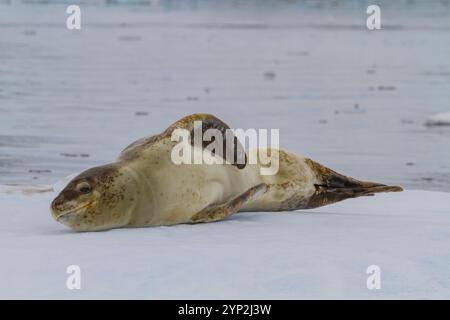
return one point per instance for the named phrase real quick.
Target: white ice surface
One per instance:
(322, 253)
(439, 119)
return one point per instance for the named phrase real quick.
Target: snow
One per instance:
(321, 253)
(440, 119)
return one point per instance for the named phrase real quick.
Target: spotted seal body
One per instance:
(144, 187)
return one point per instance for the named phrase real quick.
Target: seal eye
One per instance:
(84, 187)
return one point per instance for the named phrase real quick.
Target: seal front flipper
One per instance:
(218, 212)
(232, 150)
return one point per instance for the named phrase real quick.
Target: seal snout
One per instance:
(57, 203)
(58, 207)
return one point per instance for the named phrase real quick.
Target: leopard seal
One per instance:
(144, 187)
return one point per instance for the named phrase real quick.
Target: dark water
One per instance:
(355, 100)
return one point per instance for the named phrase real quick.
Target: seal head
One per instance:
(94, 200)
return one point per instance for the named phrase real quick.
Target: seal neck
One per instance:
(135, 188)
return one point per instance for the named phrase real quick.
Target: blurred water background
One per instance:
(353, 99)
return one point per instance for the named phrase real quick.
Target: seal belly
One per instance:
(175, 193)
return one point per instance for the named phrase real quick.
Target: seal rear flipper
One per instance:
(325, 195)
(333, 187)
(216, 212)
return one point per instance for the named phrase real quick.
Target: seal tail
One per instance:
(332, 187)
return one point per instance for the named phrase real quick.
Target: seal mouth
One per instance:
(76, 210)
